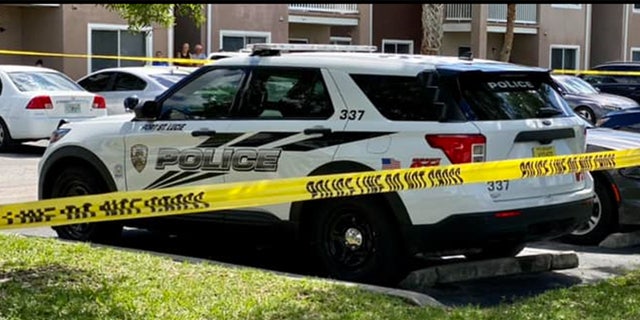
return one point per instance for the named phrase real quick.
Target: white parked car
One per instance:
(278, 115)
(117, 84)
(33, 100)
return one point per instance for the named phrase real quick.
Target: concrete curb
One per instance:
(621, 240)
(419, 280)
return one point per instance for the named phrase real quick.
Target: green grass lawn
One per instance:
(47, 279)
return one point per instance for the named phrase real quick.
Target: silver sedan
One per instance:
(117, 84)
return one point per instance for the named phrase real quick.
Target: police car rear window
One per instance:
(509, 97)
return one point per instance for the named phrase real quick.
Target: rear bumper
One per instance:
(473, 231)
(37, 127)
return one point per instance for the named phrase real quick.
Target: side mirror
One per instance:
(130, 103)
(597, 89)
(148, 110)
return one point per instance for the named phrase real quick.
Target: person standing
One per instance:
(199, 52)
(183, 54)
(158, 62)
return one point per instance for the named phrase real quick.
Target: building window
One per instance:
(232, 40)
(117, 40)
(565, 57)
(397, 46)
(635, 54)
(298, 40)
(566, 6)
(636, 8)
(340, 40)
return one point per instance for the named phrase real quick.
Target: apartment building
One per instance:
(230, 27)
(616, 33)
(76, 29)
(558, 36)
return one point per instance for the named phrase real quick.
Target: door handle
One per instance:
(317, 130)
(203, 133)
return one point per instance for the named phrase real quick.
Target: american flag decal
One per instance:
(390, 163)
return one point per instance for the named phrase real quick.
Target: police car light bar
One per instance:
(308, 47)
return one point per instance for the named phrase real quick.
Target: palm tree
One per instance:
(505, 53)
(432, 19)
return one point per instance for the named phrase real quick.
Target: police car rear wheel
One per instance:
(76, 182)
(355, 240)
(602, 220)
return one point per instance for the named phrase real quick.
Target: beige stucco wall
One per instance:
(315, 33)
(606, 33)
(11, 38)
(452, 40)
(250, 17)
(44, 36)
(560, 26)
(634, 31)
(76, 18)
(525, 50)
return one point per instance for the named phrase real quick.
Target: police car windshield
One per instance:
(491, 96)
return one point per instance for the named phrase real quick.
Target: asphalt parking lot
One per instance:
(18, 182)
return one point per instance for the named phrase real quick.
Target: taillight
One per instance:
(99, 102)
(459, 148)
(40, 102)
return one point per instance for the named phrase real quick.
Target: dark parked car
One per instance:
(628, 120)
(587, 101)
(623, 85)
(617, 200)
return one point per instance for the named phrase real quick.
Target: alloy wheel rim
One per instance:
(594, 219)
(349, 240)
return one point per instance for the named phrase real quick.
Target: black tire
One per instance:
(602, 221)
(586, 113)
(372, 254)
(6, 141)
(506, 250)
(81, 181)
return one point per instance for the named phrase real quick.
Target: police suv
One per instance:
(303, 110)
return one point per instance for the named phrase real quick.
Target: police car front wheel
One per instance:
(78, 181)
(355, 240)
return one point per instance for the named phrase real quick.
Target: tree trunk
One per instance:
(505, 53)
(432, 32)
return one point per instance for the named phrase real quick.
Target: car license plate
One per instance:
(544, 151)
(72, 108)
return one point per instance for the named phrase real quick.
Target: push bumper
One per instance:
(474, 231)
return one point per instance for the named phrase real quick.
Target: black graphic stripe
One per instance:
(218, 139)
(162, 178)
(262, 138)
(332, 139)
(203, 176)
(184, 174)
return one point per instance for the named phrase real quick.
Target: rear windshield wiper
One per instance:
(547, 112)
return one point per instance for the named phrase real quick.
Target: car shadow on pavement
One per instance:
(23, 151)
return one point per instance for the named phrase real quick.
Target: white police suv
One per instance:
(279, 113)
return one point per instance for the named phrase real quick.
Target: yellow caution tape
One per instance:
(197, 199)
(97, 56)
(598, 72)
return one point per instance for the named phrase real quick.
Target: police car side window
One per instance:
(210, 96)
(400, 98)
(285, 93)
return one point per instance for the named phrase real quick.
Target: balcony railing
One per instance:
(525, 13)
(348, 8)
